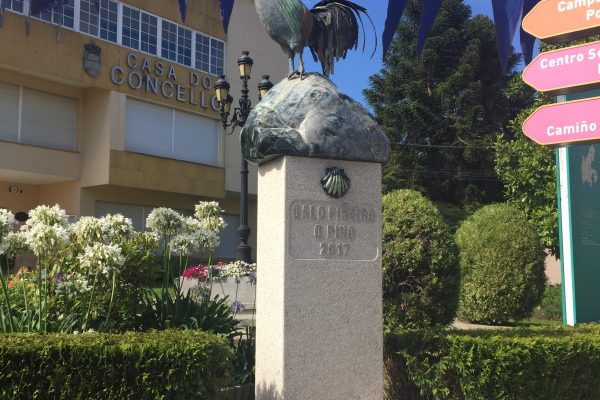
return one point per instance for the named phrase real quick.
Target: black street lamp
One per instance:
(238, 119)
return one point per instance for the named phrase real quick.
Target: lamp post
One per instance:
(238, 119)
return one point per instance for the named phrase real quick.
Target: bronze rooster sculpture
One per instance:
(329, 29)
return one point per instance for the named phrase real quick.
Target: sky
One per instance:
(352, 75)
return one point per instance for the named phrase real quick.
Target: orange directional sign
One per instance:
(555, 21)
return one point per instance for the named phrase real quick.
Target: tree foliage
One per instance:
(528, 173)
(442, 111)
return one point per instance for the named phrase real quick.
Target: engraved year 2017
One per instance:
(334, 249)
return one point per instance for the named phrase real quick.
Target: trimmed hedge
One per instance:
(166, 365)
(421, 274)
(536, 363)
(502, 266)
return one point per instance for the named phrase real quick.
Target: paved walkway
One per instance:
(463, 325)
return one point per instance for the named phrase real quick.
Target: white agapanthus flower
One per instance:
(165, 221)
(191, 238)
(7, 220)
(103, 258)
(45, 239)
(88, 230)
(47, 215)
(116, 227)
(211, 240)
(185, 243)
(209, 213)
(15, 243)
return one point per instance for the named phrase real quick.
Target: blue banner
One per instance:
(394, 14)
(182, 9)
(527, 40)
(507, 15)
(428, 13)
(226, 10)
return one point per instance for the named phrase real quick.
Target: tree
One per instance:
(442, 111)
(528, 172)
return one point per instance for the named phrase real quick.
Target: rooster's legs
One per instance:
(293, 71)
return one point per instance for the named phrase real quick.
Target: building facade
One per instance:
(108, 106)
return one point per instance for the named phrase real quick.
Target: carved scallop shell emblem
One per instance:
(335, 182)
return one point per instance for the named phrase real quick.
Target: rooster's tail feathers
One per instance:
(336, 30)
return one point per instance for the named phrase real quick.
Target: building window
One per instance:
(176, 43)
(88, 17)
(9, 112)
(39, 118)
(99, 21)
(217, 56)
(47, 119)
(61, 15)
(136, 30)
(202, 52)
(108, 20)
(149, 37)
(184, 46)
(64, 16)
(131, 28)
(164, 132)
(14, 5)
(169, 41)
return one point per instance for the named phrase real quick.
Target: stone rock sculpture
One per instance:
(312, 118)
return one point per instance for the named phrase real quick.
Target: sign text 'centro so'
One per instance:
(575, 121)
(555, 21)
(161, 79)
(564, 71)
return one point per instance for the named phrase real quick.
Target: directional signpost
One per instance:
(575, 121)
(563, 71)
(555, 21)
(568, 124)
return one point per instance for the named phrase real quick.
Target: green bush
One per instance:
(420, 263)
(502, 266)
(536, 363)
(552, 302)
(153, 365)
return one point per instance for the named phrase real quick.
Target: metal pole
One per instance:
(244, 251)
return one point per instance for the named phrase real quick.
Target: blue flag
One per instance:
(226, 10)
(394, 15)
(428, 13)
(527, 40)
(507, 15)
(182, 9)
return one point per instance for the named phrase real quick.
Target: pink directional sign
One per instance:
(566, 70)
(574, 121)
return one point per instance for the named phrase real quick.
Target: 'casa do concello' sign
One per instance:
(160, 79)
(575, 121)
(565, 71)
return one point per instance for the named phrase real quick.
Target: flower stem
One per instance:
(5, 290)
(87, 314)
(112, 296)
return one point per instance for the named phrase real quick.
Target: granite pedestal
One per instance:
(319, 294)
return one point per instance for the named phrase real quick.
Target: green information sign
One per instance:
(579, 203)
